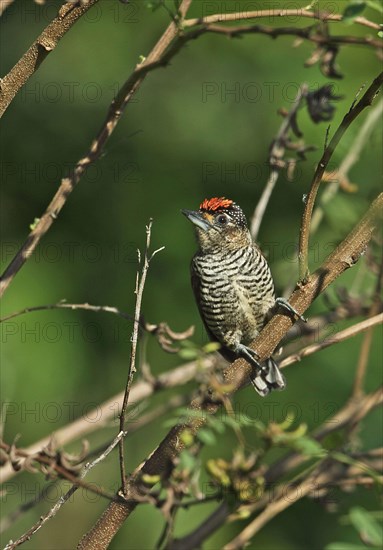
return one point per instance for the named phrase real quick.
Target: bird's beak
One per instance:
(197, 218)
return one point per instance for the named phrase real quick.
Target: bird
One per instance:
(234, 287)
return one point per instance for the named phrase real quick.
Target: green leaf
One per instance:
(187, 437)
(369, 529)
(353, 9)
(151, 480)
(211, 346)
(188, 353)
(207, 437)
(33, 225)
(309, 447)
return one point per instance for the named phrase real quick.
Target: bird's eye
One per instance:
(222, 219)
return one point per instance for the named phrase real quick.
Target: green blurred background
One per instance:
(186, 136)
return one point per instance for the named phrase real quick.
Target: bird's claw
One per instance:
(283, 303)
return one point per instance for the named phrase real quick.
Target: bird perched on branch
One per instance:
(233, 287)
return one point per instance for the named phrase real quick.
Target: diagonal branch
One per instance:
(67, 16)
(160, 462)
(365, 325)
(341, 174)
(354, 111)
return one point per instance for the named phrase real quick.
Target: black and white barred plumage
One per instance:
(233, 286)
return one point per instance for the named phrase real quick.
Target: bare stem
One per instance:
(161, 461)
(141, 279)
(276, 14)
(349, 332)
(67, 16)
(63, 499)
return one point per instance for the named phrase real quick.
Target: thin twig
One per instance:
(334, 339)
(63, 499)
(352, 114)
(67, 16)
(157, 412)
(107, 411)
(305, 33)
(52, 465)
(277, 14)
(367, 340)
(43, 495)
(324, 474)
(141, 279)
(360, 141)
(66, 305)
(277, 152)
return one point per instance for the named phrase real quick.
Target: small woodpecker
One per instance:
(233, 287)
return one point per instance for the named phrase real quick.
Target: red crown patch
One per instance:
(215, 204)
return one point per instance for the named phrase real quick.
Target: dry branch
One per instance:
(276, 14)
(67, 16)
(107, 412)
(166, 48)
(354, 111)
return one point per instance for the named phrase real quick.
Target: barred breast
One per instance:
(234, 292)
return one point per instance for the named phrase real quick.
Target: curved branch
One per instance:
(334, 339)
(361, 139)
(305, 33)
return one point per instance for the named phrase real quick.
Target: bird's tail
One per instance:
(268, 378)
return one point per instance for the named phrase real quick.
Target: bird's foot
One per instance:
(268, 379)
(249, 354)
(283, 303)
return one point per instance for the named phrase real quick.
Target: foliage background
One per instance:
(56, 365)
